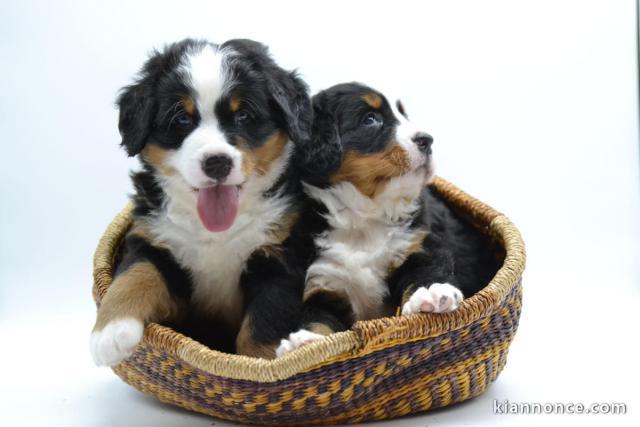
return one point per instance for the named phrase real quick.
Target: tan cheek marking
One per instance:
(262, 157)
(270, 151)
(248, 163)
(188, 104)
(369, 173)
(139, 292)
(234, 104)
(157, 157)
(373, 100)
(247, 346)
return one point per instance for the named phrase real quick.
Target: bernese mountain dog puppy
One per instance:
(215, 128)
(374, 234)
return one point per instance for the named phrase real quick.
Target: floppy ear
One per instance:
(291, 96)
(137, 104)
(287, 90)
(137, 111)
(322, 154)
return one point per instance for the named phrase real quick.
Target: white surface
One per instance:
(533, 105)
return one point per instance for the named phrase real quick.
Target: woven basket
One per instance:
(379, 369)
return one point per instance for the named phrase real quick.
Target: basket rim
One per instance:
(364, 337)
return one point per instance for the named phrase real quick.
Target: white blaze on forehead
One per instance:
(208, 74)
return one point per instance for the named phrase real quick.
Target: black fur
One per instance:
(151, 113)
(148, 195)
(136, 249)
(454, 251)
(139, 103)
(337, 127)
(274, 285)
(279, 99)
(272, 298)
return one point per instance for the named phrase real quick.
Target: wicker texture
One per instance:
(380, 369)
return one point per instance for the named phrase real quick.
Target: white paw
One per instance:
(438, 298)
(296, 340)
(116, 341)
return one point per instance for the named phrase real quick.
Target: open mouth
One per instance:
(218, 206)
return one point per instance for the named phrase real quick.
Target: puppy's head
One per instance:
(364, 138)
(214, 121)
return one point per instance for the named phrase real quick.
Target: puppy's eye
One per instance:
(372, 119)
(241, 117)
(184, 120)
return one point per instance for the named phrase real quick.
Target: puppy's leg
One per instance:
(272, 304)
(425, 282)
(138, 295)
(324, 312)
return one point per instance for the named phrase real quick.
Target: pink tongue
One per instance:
(218, 206)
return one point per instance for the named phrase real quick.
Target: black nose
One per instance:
(423, 141)
(217, 167)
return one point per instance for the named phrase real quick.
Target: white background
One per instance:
(533, 105)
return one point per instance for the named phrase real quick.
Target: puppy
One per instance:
(215, 128)
(377, 236)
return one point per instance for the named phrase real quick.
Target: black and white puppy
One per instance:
(215, 128)
(377, 236)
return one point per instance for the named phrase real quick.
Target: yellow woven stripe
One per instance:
(464, 384)
(463, 337)
(347, 394)
(444, 392)
(402, 408)
(131, 376)
(274, 407)
(311, 391)
(299, 403)
(286, 395)
(419, 387)
(444, 324)
(495, 368)
(365, 336)
(323, 399)
(481, 375)
(335, 386)
(261, 399)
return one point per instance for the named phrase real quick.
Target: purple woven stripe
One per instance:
(190, 388)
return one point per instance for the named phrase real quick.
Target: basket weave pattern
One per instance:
(379, 369)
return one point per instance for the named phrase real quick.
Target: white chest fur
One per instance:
(216, 260)
(366, 238)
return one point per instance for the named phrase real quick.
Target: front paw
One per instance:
(296, 340)
(116, 341)
(438, 298)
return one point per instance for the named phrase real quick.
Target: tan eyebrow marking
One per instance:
(188, 104)
(373, 100)
(234, 103)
